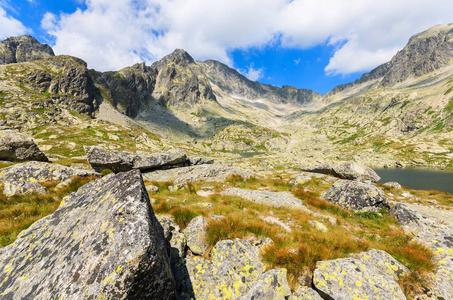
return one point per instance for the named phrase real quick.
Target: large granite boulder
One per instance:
(232, 272)
(104, 242)
(25, 177)
(120, 161)
(350, 278)
(384, 262)
(17, 146)
(356, 196)
(347, 170)
(23, 48)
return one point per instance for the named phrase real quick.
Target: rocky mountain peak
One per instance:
(22, 49)
(424, 53)
(177, 57)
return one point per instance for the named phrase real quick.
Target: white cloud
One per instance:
(297, 61)
(252, 73)
(111, 34)
(10, 26)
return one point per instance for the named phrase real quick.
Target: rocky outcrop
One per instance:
(25, 177)
(17, 146)
(103, 242)
(22, 49)
(383, 262)
(195, 160)
(356, 196)
(180, 81)
(433, 228)
(424, 53)
(120, 161)
(347, 170)
(271, 285)
(209, 172)
(350, 278)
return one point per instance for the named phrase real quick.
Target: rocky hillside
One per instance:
(22, 49)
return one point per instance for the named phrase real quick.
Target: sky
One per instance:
(312, 44)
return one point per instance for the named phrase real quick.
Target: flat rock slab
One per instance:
(120, 161)
(207, 172)
(276, 199)
(347, 170)
(356, 196)
(104, 242)
(17, 146)
(350, 278)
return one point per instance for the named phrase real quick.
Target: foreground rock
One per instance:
(207, 172)
(195, 233)
(25, 177)
(16, 146)
(235, 271)
(103, 242)
(120, 161)
(356, 196)
(433, 228)
(347, 170)
(350, 278)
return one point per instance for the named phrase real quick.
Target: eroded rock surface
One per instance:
(120, 161)
(356, 196)
(350, 278)
(17, 146)
(103, 242)
(276, 199)
(23, 48)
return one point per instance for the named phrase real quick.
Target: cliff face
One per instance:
(425, 52)
(23, 48)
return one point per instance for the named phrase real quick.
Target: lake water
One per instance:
(419, 179)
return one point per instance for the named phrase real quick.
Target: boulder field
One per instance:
(105, 242)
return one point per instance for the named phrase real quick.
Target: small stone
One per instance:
(318, 225)
(177, 187)
(152, 188)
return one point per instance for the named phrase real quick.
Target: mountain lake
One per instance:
(419, 178)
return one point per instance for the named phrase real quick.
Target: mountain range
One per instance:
(398, 114)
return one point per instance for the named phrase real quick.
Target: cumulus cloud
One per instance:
(111, 34)
(10, 26)
(252, 73)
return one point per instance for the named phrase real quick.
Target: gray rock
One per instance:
(176, 187)
(350, 278)
(23, 48)
(200, 160)
(276, 199)
(209, 172)
(270, 285)
(168, 224)
(234, 268)
(103, 242)
(17, 146)
(152, 188)
(41, 172)
(120, 161)
(393, 184)
(347, 170)
(195, 233)
(354, 171)
(178, 244)
(305, 293)
(356, 196)
(431, 227)
(384, 262)
(12, 188)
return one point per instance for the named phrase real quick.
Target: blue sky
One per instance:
(314, 44)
